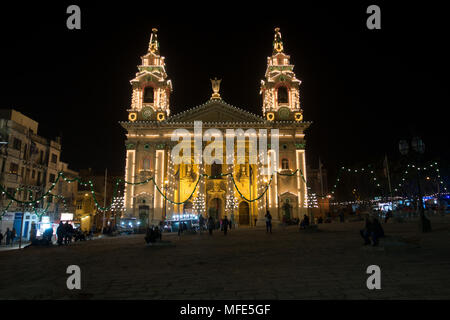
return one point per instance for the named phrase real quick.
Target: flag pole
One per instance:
(389, 181)
(104, 201)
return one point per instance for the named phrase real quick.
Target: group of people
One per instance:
(10, 235)
(153, 233)
(305, 222)
(224, 224)
(64, 233)
(372, 231)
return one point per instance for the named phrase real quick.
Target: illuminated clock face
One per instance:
(147, 113)
(283, 113)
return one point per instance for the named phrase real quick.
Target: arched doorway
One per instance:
(144, 211)
(244, 213)
(215, 209)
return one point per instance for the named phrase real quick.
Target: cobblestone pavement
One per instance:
(245, 264)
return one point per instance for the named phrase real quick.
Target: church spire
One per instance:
(153, 46)
(280, 88)
(277, 42)
(151, 87)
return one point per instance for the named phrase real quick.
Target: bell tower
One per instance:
(151, 87)
(280, 88)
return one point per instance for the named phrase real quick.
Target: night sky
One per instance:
(363, 89)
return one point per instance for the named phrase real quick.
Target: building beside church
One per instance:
(150, 127)
(29, 166)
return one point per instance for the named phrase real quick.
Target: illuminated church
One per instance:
(148, 148)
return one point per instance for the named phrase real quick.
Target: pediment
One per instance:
(216, 111)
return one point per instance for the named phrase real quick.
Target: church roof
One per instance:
(215, 113)
(216, 110)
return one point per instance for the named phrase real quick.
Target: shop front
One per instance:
(189, 219)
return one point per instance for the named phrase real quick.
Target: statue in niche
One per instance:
(243, 169)
(287, 208)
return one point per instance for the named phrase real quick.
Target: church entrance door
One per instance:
(144, 214)
(244, 213)
(215, 209)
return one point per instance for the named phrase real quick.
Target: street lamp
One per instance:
(165, 200)
(438, 192)
(267, 205)
(419, 147)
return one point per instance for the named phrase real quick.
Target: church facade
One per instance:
(191, 188)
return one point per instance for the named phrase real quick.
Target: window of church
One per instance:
(148, 95)
(285, 164)
(146, 164)
(216, 169)
(283, 96)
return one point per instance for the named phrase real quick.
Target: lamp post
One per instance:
(419, 148)
(165, 200)
(267, 204)
(438, 194)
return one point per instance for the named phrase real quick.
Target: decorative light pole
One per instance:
(267, 204)
(165, 200)
(419, 148)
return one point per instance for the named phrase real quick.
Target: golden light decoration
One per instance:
(270, 116)
(298, 116)
(160, 116)
(132, 116)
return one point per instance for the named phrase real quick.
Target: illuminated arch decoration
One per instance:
(270, 116)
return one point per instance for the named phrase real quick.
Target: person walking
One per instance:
(13, 236)
(60, 233)
(1, 238)
(180, 228)
(341, 216)
(201, 222)
(66, 232)
(225, 224)
(71, 232)
(210, 225)
(268, 222)
(8, 236)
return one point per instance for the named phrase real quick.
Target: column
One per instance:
(158, 199)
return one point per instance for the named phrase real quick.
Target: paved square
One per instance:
(245, 264)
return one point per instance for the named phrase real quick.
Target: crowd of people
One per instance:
(65, 233)
(10, 236)
(372, 231)
(222, 224)
(153, 234)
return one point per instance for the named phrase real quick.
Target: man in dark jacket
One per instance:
(268, 222)
(13, 235)
(377, 231)
(8, 236)
(365, 233)
(225, 225)
(60, 233)
(210, 225)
